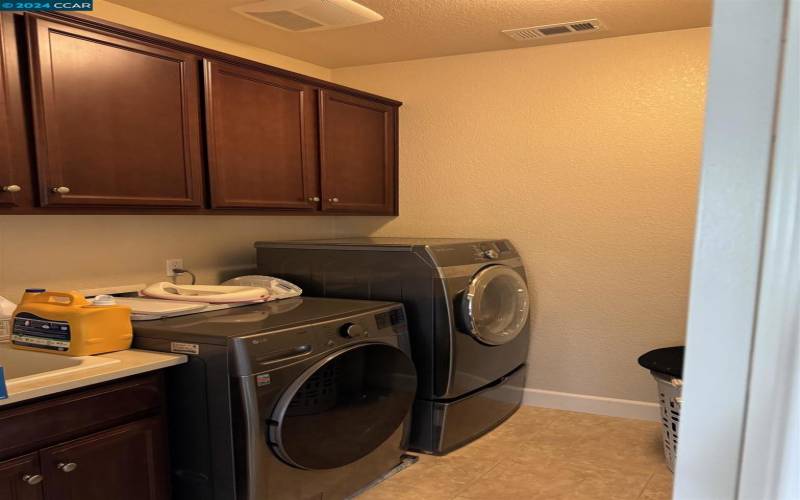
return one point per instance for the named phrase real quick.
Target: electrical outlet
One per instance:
(173, 264)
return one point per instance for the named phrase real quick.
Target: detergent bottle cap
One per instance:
(104, 300)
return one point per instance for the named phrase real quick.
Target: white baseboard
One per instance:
(597, 405)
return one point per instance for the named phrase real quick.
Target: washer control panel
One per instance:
(394, 319)
(257, 353)
(353, 330)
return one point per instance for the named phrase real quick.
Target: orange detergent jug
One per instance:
(66, 323)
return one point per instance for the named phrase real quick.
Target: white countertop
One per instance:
(130, 362)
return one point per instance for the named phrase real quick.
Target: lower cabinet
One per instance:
(125, 463)
(21, 479)
(93, 458)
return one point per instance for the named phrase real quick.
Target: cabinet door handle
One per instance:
(313, 198)
(60, 190)
(66, 467)
(32, 479)
(333, 200)
(13, 188)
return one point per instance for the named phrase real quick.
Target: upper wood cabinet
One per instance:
(116, 120)
(99, 118)
(358, 154)
(261, 137)
(16, 189)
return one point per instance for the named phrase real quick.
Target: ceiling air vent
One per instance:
(534, 32)
(523, 34)
(308, 15)
(584, 26)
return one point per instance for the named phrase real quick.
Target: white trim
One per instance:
(583, 403)
(723, 320)
(771, 451)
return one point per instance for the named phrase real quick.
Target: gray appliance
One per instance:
(468, 310)
(294, 399)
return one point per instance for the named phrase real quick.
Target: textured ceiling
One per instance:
(415, 29)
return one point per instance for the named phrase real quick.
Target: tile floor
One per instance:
(543, 454)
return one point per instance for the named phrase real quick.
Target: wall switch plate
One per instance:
(173, 264)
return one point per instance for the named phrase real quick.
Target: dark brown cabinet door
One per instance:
(16, 189)
(20, 478)
(261, 139)
(124, 463)
(116, 121)
(358, 154)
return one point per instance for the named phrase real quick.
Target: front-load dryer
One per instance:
(468, 309)
(295, 399)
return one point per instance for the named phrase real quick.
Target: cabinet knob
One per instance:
(32, 479)
(313, 198)
(13, 188)
(333, 200)
(66, 467)
(60, 190)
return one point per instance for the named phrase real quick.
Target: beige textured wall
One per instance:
(586, 155)
(87, 251)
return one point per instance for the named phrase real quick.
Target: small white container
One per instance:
(5, 329)
(6, 312)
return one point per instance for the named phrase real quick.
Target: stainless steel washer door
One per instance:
(343, 407)
(496, 305)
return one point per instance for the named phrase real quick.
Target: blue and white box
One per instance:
(3, 392)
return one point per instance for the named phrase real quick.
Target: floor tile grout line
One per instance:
(646, 484)
(463, 490)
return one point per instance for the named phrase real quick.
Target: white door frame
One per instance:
(739, 423)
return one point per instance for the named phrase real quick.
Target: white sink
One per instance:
(24, 366)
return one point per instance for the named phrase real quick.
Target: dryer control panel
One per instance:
(473, 252)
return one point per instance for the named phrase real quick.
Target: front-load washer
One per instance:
(295, 399)
(468, 310)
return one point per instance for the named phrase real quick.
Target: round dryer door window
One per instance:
(496, 305)
(343, 407)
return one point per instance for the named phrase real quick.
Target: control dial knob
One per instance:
(351, 330)
(491, 253)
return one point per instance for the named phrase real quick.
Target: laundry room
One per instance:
(396, 249)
